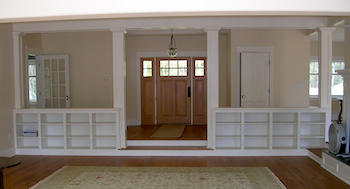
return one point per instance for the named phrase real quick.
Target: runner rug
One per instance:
(169, 131)
(92, 177)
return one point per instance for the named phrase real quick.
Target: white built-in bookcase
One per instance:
(67, 128)
(269, 128)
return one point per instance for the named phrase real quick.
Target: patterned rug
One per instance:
(91, 177)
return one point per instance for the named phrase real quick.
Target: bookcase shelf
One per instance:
(79, 129)
(269, 128)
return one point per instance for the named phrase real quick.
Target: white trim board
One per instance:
(260, 49)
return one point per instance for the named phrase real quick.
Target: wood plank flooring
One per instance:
(144, 132)
(294, 172)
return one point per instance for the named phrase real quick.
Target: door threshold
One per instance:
(167, 143)
(166, 148)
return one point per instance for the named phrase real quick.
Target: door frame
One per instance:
(140, 55)
(251, 49)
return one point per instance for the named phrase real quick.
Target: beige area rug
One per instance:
(169, 131)
(92, 177)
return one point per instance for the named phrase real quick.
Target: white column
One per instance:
(325, 63)
(325, 54)
(346, 105)
(119, 82)
(18, 70)
(212, 80)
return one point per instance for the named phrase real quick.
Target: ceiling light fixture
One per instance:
(172, 50)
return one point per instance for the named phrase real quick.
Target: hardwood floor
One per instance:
(144, 132)
(294, 172)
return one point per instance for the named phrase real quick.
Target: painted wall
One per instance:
(7, 102)
(291, 50)
(90, 61)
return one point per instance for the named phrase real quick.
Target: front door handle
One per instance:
(243, 96)
(189, 92)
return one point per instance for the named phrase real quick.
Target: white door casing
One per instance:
(53, 81)
(255, 74)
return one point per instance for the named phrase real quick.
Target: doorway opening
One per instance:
(173, 91)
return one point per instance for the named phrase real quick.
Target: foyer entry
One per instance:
(173, 90)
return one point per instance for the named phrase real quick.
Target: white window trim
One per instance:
(334, 59)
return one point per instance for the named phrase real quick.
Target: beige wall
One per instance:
(338, 48)
(7, 101)
(90, 61)
(291, 50)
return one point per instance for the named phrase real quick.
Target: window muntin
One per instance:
(337, 80)
(173, 68)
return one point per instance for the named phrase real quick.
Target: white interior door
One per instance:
(255, 84)
(53, 84)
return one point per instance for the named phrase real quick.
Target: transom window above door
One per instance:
(173, 68)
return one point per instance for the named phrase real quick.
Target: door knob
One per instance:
(243, 96)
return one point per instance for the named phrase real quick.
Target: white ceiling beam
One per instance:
(176, 23)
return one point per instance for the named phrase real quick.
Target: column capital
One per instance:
(212, 28)
(118, 30)
(19, 34)
(325, 29)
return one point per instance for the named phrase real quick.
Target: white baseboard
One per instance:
(8, 153)
(314, 157)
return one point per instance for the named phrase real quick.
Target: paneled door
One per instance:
(173, 90)
(255, 83)
(53, 83)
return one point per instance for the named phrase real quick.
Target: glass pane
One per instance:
(47, 67)
(199, 63)
(147, 64)
(313, 67)
(182, 72)
(62, 91)
(173, 72)
(47, 87)
(173, 63)
(47, 103)
(313, 85)
(54, 65)
(62, 103)
(337, 66)
(164, 64)
(61, 65)
(55, 91)
(337, 85)
(62, 78)
(32, 89)
(199, 72)
(182, 63)
(164, 72)
(147, 72)
(55, 103)
(31, 70)
(54, 78)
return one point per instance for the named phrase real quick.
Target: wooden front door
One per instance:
(173, 90)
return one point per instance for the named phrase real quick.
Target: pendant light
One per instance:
(172, 50)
